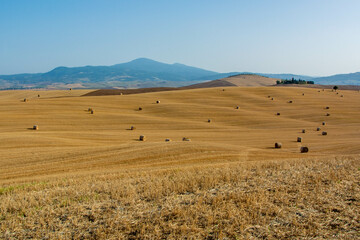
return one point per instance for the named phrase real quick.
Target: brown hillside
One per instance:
(250, 80)
(242, 80)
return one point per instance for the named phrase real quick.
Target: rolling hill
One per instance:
(239, 80)
(141, 73)
(339, 79)
(87, 176)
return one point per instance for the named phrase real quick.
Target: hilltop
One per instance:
(239, 80)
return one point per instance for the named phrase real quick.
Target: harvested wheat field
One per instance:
(87, 176)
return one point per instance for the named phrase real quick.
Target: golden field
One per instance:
(87, 176)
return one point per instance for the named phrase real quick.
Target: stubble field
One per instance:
(87, 176)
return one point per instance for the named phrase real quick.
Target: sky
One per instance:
(309, 37)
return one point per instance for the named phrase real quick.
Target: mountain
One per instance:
(141, 73)
(138, 73)
(339, 79)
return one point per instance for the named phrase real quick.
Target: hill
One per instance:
(142, 73)
(339, 79)
(139, 73)
(243, 80)
(87, 176)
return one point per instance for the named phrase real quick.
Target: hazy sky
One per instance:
(313, 37)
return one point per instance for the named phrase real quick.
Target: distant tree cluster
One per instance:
(294, 81)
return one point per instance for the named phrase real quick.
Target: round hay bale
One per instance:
(167, 140)
(223, 90)
(278, 114)
(290, 101)
(268, 96)
(303, 94)
(35, 127)
(186, 139)
(140, 108)
(272, 98)
(318, 129)
(142, 138)
(337, 93)
(323, 123)
(157, 101)
(299, 139)
(209, 120)
(324, 133)
(327, 107)
(132, 128)
(278, 145)
(304, 149)
(303, 131)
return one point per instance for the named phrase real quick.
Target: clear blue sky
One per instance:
(313, 37)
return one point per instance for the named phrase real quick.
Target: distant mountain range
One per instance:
(140, 73)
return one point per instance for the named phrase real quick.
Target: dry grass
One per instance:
(274, 200)
(87, 177)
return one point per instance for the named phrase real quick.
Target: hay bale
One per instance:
(157, 101)
(328, 114)
(327, 107)
(272, 98)
(323, 123)
(304, 149)
(278, 145)
(303, 131)
(140, 108)
(324, 133)
(337, 93)
(142, 138)
(35, 127)
(290, 101)
(132, 128)
(223, 90)
(278, 114)
(167, 140)
(318, 129)
(121, 93)
(303, 94)
(186, 139)
(299, 139)
(209, 120)
(268, 96)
